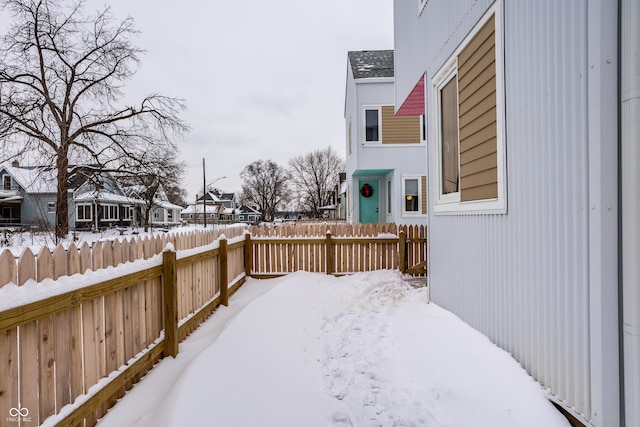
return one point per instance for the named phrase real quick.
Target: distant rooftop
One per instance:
(371, 63)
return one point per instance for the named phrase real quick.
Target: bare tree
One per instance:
(315, 177)
(61, 77)
(264, 183)
(145, 178)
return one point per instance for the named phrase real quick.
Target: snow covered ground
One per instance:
(314, 350)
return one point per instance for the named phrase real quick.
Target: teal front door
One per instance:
(369, 202)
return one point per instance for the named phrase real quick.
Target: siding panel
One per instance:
(399, 129)
(522, 278)
(477, 110)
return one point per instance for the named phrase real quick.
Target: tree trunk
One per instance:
(62, 202)
(147, 218)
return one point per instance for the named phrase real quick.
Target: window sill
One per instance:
(480, 207)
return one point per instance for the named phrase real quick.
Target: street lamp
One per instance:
(204, 193)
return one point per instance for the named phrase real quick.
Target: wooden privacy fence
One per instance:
(336, 248)
(69, 355)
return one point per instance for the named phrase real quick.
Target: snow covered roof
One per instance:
(104, 196)
(10, 196)
(327, 207)
(248, 209)
(166, 205)
(371, 63)
(217, 196)
(34, 179)
(198, 208)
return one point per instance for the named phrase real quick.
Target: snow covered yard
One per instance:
(314, 350)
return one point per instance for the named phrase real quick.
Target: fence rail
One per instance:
(75, 352)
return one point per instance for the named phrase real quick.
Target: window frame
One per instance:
(443, 78)
(110, 209)
(4, 182)
(85, 207)
(418, 178)
(127, 213)
(450, 203)
(378, 109)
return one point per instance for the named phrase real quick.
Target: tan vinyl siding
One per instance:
(424, 194)
(477, 116)
(399, 129)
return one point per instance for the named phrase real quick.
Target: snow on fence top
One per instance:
(52, 264)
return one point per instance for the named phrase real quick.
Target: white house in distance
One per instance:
(386, 154)
(533, 123)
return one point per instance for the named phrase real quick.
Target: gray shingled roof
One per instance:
(371, 63)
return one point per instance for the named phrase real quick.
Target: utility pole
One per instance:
(204, 194)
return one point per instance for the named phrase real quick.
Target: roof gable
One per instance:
(33, 179)
(371, 63)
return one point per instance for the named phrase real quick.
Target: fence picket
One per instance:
(7, 268)
(62, 336)
(46, 344)
(75, 327)
(28, 344)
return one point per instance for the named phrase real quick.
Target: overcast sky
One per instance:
(262, 80)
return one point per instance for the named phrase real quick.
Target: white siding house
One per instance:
(522, 104)
(386, 155)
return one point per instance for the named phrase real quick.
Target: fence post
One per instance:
(248, 255)
(170, 302)
(402, 251)
(328, 247)
(224, 272)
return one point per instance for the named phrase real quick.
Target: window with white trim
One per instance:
(6, 182)
(127, 213)
(414, 195)
(469, 120)
(372, 126)
(51, 207)
(109, 212)
(83, 212)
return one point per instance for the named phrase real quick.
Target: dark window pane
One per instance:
(450, 144)
(371, 122)
(411, 195)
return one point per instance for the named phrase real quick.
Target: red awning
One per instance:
(414, 104)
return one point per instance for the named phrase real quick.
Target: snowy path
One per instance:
(314, 350)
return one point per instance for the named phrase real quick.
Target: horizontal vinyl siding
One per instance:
(399, 129)
(477, 110)
(523, 278)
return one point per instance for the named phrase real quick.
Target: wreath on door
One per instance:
(366, 190)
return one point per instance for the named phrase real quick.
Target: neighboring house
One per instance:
(98, 201)
(221, 207)
(247, 214)
(216, 196)
(27, 196)
(193, 214)
(165, 214)
(527, 107)
(95, 200)
(386, 154)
